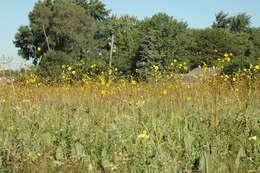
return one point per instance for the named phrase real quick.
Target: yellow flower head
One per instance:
(155, 67)
(253, 138)
(69, 68)
(144, 135)
(145, 132)
(73, 72)
(165, 92)
(227, 59)
(133, 82)
(257, 67)
(110, 71)
(93, 66)
(39, 49)
(226, 55)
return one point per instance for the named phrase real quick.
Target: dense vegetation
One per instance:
(69, 32)
(208, 127)
(164, 98)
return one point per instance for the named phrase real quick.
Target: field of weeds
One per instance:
(205, 127)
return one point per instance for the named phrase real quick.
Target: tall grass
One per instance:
(143, 127)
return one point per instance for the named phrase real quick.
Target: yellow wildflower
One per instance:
(144, 135)
(257, 67)
(39, 49)
(155, 67)
(165, 92)
(69, 68)
(226, 55)
(133, 82)
(93, 66)
(73, 72)
(145, 132)
(110, 71)
(29, 154)
(253, 138)
(103, 92)
(227, 59)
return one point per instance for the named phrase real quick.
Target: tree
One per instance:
(163, 39)
(58, 25)
(238, 23)
(222, 20)
(126, 33)
(210, 44)
(254, 37)
(94, 8)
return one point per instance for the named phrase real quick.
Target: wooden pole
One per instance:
(111, 51)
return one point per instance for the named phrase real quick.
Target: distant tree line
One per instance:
(67, 32)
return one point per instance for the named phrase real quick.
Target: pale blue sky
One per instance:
(197, 13)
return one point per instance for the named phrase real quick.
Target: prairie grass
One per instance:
(142, 127)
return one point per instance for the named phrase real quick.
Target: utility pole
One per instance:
(111, 51)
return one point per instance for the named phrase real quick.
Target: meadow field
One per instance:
(87, 88)
(210, 126)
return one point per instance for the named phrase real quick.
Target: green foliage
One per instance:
(94, 8)
(81, 30)
(75, 129)
(127, 37)
(210, 44)
(254, 37)
(222, 20)
(24, 40)
(50, 65)
(238, 23)
(162, 41)
(238, 63)
(57, 26)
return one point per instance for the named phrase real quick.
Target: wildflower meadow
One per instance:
(110, 124)
(104, 93)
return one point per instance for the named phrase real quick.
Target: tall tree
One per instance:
(222, 20)
(162, 41)
(240, 22)
(58, 26)
(94, 8)
(125, 30)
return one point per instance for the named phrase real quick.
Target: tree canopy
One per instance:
(237, 23)
(72, 31)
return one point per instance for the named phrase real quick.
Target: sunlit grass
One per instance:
(210, 126)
